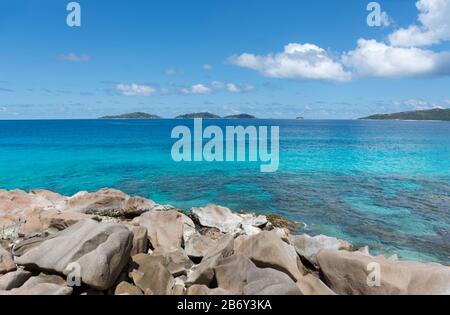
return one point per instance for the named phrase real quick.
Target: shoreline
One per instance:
(195, 252)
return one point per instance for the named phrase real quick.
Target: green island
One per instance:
(137, 115)
(430, 114)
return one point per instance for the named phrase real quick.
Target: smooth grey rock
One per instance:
(140, 239)
(41, 285)
(308, 247)
(198, 245)
(239, 275)
(267, 250)
(14, 279)
(100, 249)
(351, 272)
(310, 285)
(175, 260)
(218, 217)
(164, 228)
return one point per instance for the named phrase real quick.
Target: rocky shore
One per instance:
(110, 243)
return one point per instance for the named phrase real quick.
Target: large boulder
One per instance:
(41, 285)
(151, 276)
(258, 221)
(18, 204)
(6, 261)
(108, 202)
(164, 228)
(352, 272)
(101, 251)
(14, 279)
(51, 219)
(267, 250)
(105, 202)
(239, 275)
(218, 217)
(308, 247)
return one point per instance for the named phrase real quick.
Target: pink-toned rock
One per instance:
(51, 219)
(105, 202)
(6, 261)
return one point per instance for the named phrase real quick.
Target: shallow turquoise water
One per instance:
(385, 184)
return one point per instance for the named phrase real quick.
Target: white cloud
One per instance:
(239, 88)
(136, 90)
(433, 28)
(72, 57)
(297, 61)
(207, 66)
(416, 104)
(372, 58)
(196, 89)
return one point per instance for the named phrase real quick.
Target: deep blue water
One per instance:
(381, 183)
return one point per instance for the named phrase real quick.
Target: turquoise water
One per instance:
(385, 184)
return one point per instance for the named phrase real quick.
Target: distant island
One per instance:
(204, 115)
(300, 118)
(431, 114)
(240, 116)
(137, 115)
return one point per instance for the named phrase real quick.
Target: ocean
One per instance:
(385, 184)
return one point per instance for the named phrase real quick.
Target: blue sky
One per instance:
(171, 57)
